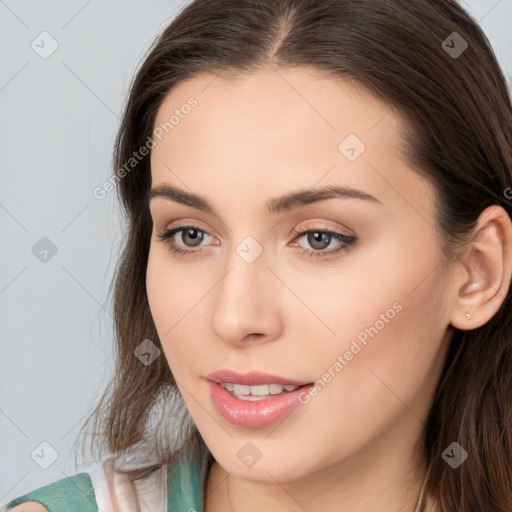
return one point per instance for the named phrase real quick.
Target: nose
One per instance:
(246, 303)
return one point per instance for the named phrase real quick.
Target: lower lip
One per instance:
(257, 414)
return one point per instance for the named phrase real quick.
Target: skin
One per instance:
(352, 446)
(255, 137)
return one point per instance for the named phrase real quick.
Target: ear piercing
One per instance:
(471, 287)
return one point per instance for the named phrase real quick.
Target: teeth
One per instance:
(253, 393)
(275, 389)
(240, 389)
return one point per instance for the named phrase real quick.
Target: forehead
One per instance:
(271, 98)
(285, 127)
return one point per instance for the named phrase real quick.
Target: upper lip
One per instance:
(252, 378)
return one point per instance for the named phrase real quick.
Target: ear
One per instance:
(485, 270)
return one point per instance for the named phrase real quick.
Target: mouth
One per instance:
(254, 399)
(255, 406)
(256, 393)
(254, 379)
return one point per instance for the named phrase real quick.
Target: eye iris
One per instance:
(317, 236)
(196, 240)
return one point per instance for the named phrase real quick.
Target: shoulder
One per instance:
(74, 492)
(102, 488)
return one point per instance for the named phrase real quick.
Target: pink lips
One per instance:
(253, 414)
(252, 378)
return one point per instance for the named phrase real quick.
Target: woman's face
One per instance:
(365, 317)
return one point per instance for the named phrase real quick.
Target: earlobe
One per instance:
(487, 269)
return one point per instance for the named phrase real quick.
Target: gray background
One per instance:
(58, 120)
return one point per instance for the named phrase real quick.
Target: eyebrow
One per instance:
(281, 204)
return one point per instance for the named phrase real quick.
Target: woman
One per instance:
(313, 308)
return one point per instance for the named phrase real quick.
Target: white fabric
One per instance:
(148, 495)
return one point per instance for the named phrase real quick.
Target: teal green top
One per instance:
(185, 489)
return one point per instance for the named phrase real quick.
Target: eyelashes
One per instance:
(345, 241)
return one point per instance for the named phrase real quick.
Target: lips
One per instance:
(254, 414)
(253, 378)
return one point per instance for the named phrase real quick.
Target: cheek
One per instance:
(378, 315)
(175, 299)
(389, 331)
(382, 290)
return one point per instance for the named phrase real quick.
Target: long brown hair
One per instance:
(458, 134)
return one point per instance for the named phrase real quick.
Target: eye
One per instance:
(192, 236)
(318, 237)
(192, 233)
